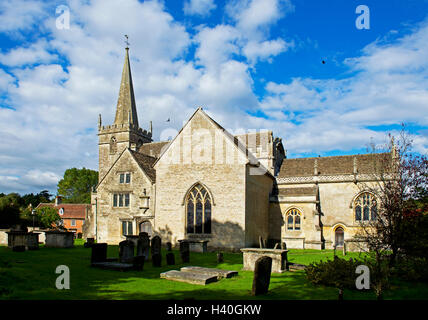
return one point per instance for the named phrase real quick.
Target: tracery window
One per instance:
(198, 210)
(293, 219)
(365, 207)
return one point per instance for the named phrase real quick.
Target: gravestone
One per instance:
(169, 246)
(184, 251)
(262, 273)
(138, 263)
(156, 260)
(220, 258)
(143, 245)
(99, 252)
(344, 249)
(89, 242)
(283, 246)
(156, 245)
(126, 251)
(170, 259)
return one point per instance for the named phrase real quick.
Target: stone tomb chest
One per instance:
(30, 240)
(279, 258)
(59, 239)
(197, 245)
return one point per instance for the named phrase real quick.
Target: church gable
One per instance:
(203, 141)
(139, 165)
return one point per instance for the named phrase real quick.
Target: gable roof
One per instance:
(153, 149)
(71, 210)
(334, 165)
(251, 158)
(146, 164)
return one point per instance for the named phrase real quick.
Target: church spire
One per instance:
(126, 111)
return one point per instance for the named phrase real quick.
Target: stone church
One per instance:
(230, 190)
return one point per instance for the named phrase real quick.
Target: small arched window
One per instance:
(293, 219)
(365, 207)
(198, 210)
(113, 145)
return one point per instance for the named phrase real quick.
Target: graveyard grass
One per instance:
(31, 276)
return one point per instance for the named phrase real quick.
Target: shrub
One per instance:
(339, 273)
(411, 269)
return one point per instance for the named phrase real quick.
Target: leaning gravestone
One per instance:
(262, 273)
(170, 259)
(126, 251)
(184, 251)
(99, 252)
(143, 245)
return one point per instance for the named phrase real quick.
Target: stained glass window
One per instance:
(293, 219)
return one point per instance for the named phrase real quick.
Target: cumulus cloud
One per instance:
(199, 7)
(58, 84)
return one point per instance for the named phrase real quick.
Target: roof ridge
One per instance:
(346, 155)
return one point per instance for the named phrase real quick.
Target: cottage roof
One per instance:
(70, 210)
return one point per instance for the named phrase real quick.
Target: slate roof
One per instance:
(335, 165)
(153, 149)
(146, 163)
(71, 210)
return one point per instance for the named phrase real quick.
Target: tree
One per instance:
(401, 182)
(48, 217)
(9, 210)
(77, 184)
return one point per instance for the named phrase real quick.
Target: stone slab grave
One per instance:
(197, 275)
(219, 273)
(189, 277)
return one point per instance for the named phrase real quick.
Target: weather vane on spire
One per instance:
(126, 41)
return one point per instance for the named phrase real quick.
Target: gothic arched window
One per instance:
(293, 219)
(198, 210)
(365, 207)
(113, 145)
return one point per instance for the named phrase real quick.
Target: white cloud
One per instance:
(35, 53)
(20, 14)
(199, 7)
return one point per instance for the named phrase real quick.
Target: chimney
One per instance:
(57, 200)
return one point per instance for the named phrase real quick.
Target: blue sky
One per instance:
(251, 64)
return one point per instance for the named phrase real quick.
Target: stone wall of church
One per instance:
(110, 218)
(258, 188)
(336, 199)
(202, 153)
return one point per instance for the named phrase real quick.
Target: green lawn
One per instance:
(32, 276)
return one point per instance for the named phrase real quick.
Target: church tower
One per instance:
(125, 132)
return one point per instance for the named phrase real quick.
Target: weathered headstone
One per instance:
(283, 246)
(156, 260)
(143, 245)
(169, 246)
(126, 251)
(99, 252)
(170, 259)
(220, 258)
(344, 249)
(156, 245)
(184, 251)
(262, 273)
(138, 263)
(89, 242)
